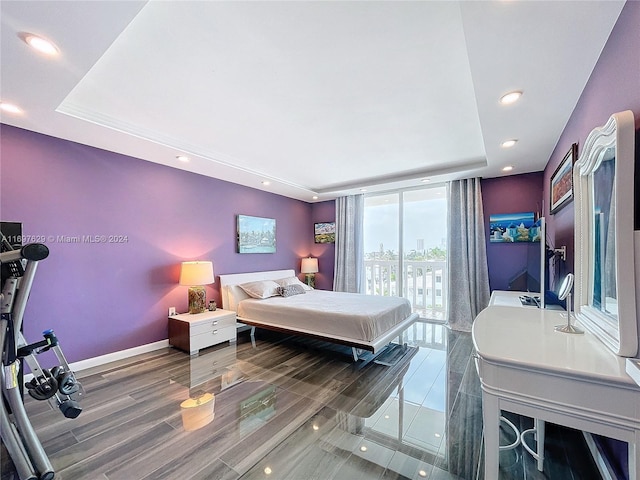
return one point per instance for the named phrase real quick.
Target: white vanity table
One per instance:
(526, 367)
(570, 377)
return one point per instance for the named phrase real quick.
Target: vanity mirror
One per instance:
(605, 288)
(564, 293)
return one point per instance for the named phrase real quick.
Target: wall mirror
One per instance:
(605, 293)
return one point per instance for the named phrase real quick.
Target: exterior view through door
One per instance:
(405, 238)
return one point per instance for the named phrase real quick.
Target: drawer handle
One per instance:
(215, 331)
(215, 322)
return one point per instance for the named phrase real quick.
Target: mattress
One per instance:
(356, 316)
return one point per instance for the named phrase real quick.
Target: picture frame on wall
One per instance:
(256, 234)
(561, 183)
(324, 232)
(514, 228)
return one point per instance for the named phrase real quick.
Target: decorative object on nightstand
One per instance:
(310, 268)
(198, 410)
(212, 305)
(195, 275)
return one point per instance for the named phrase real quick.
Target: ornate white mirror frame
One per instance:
(605, 285)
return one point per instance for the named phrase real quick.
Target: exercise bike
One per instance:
(57, 385)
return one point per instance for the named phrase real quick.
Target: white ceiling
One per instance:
(319, 98)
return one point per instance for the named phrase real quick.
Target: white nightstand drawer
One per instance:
(212, 324)
(193, 332)
(213, 337)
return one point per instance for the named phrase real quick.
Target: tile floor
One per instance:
(291, 409)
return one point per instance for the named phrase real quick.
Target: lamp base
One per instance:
(311, 280)
(197, 299)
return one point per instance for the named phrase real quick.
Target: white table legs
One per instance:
(491, 419)
(634, 457)
(538, 432)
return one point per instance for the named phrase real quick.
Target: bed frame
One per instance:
(375, 346)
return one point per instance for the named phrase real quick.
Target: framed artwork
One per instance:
(324, 232)
(561, 187)
(514, 228)
(256, 234)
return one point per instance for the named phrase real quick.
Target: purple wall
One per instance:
(105, 297)
(512, 194)
(324, 212)
(614, 86)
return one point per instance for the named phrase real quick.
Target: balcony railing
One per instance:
(423, 283)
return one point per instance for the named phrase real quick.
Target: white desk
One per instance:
(526, 367)
(511, 298)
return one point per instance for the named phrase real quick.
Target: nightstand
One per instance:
(191, 332)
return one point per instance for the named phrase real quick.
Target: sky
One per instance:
(425, 219)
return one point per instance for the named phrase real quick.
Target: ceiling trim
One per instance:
(410, 175)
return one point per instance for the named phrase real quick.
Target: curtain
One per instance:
(467, 254)
(349, 262)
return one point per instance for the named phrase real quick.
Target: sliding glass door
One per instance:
(405, 238)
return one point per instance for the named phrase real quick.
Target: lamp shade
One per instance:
(196, 273)
(309, 265)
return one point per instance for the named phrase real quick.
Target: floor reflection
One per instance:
(389, 422)
(289, 408)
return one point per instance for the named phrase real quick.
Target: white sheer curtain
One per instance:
(349, 263)
(467, 254)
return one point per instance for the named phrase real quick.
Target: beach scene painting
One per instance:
(256, 234)
(514, 228)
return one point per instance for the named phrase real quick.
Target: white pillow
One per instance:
(284, 282)
(261, 289)
(235, 295)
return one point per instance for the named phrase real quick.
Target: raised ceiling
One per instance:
(317, 98)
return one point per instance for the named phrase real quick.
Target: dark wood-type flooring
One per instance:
(292, 409)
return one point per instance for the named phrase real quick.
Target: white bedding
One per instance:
(351, 315)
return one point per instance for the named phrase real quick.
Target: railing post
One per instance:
(380, 274)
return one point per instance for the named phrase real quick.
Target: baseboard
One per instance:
(601, 462)
(121, 355)
(111, 357)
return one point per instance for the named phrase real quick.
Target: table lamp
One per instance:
(310, 268)
(195, 275)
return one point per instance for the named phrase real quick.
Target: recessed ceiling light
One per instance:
(266, 182)
(363, 190)
(10, 108)
(510, 97)
(363, 448)
(183, 158)
(267, 470)
(422, 473)
(508, 143)
(40, 44)
(315, 426)
(508, 168)
(425, 180)
(315, 197)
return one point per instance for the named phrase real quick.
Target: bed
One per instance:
(362, 322)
